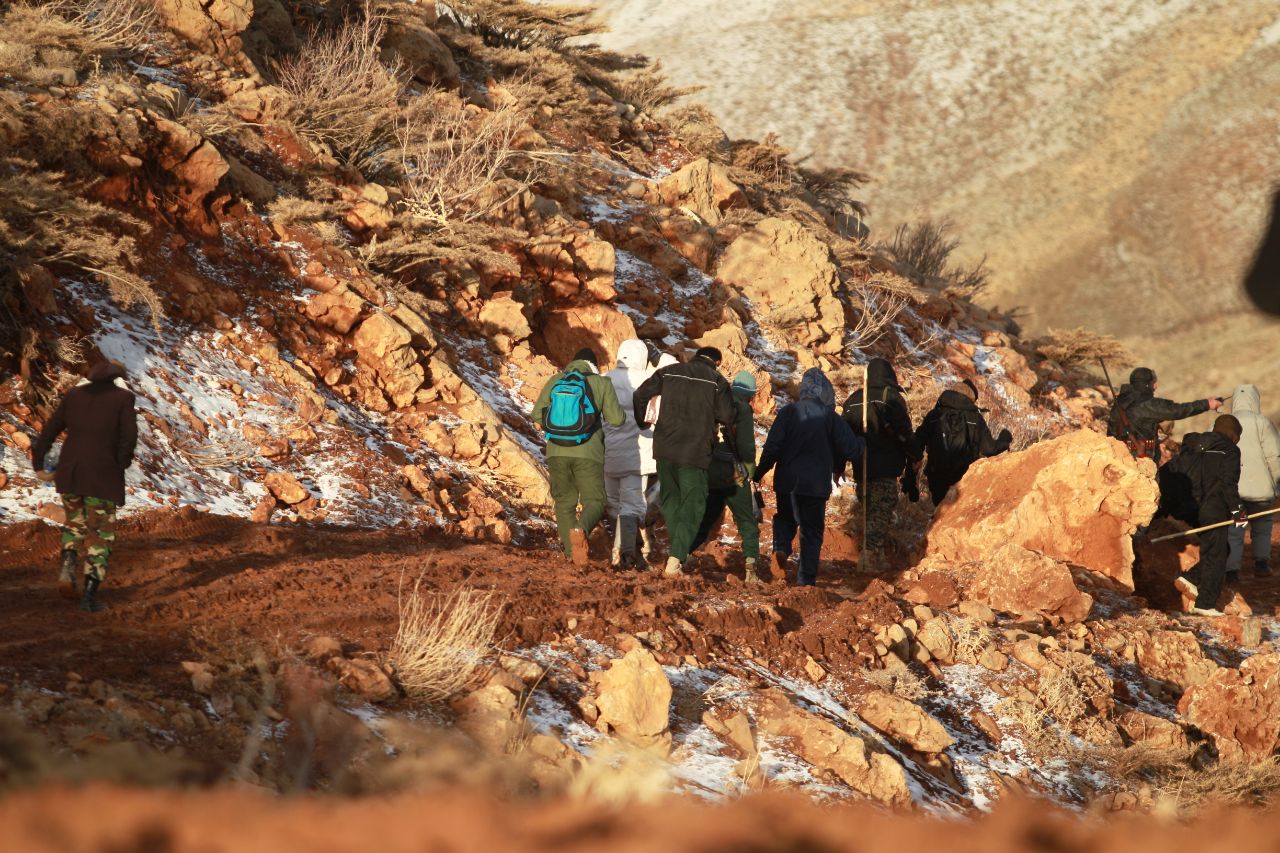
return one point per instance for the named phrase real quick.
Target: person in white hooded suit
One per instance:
(1259, 472)
(628, 455)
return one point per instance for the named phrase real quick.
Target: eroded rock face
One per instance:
(1175, 657)
(386, 346)
(704, 188)
(597, 325)
(791, 280)
(825, 745)
(1239, 708)
(1077, 499)
(633, 697)
(904, 721)
(1015, 580)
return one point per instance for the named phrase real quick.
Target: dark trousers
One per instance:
(1209, 574)
(742, 505)
(809, 516)
(940, 482)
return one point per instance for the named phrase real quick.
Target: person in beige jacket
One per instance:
(1259, 473)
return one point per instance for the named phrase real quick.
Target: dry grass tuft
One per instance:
(118, 24)
(442, 639)
(1079, 351)
(924, 251)
(900, 681)
(880, 299)
(649, 91)
(971, 636)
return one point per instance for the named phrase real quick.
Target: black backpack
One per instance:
(852, 413)
(955, 436)
(1181, 481)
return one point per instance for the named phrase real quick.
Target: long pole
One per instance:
(1213, 526)
(866, 487)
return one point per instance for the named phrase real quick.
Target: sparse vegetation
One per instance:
(923, 252)
(649, 91)
(1080, 351)
(441, 640)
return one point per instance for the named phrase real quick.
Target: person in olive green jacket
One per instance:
(575, 458)
(727, 486)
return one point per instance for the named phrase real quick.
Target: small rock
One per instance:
(323, 648)
(814, 670)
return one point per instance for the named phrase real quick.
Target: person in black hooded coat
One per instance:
(957, 408)
(891, 446)
(102, 434)
(1137, 413)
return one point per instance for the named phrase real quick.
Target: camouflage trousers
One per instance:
(91, 531)
(882, 501)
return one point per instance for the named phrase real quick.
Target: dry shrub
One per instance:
(119, 24)
(924, 250)
(649, 91)
(697, 128)
(1079, 351)
(343, 95)
(442, 639)
(900, 681)
(1180, 781)
(456, 159)
(49, 44)
(971, 636)
(880, 299)
(764, 164)
(833, 187)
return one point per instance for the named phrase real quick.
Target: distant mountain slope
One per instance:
(1113, 159)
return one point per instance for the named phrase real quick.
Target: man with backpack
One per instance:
(627, 452)
(810, 445)
(1137, 413)
(695, 397)
(1259, 472)
(733, 463)
(955, 435)
(572, 408)
(891, 446)
(1200, 486)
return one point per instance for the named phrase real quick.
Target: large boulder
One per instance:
(829, 747)
(633, 697)
(703, 188)
(904, 721)
(1239, 709)
(1078, 499)
(792, 281)
(427, 59)
(597, 325)
(1030, 584)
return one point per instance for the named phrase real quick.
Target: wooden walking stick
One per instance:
(866, 487)
(1214, 526)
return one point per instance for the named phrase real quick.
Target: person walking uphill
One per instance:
(101, 436)
(571, 409)
(810, 445)
(628, 452)
(955, 435)
(1259, 473)
(733, 463)
(695, 397)
(891, 445)
(1137, 413)
(1210, 464)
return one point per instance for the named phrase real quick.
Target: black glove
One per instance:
(759, 508)
(911, 485)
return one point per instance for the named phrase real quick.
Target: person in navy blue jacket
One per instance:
(810, 444)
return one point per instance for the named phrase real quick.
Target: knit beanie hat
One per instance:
(587, 354)
(744, 381)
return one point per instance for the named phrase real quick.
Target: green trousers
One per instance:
(90, 531)
(576, 481)
(683, 497)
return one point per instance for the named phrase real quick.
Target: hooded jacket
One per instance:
(1219, 475)
(627, 448)
(611, 413)
(889, 448)
(695, 397)
(982, 442)
(102, 435)
(808, 442)
(1146, 412)
(1259, 447)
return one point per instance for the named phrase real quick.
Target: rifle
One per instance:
(1140, 447)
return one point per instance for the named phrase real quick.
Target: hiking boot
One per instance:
(578, 546)
(625, 549)
(1186, 587)
(1206, 611)
(67, 573)
(750, 575)
(89, 603)
(674, 568)
(1261, 569)
(1232, 578)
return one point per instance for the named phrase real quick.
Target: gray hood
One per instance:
(815, 385)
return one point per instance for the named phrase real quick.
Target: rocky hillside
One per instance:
(1127, 149)
(340, 259)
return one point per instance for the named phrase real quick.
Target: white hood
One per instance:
(1259, 446)
(627, 450)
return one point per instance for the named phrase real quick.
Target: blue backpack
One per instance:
(572, 416)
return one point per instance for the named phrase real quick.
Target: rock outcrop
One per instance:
(703, 188)
(1077, 499)
(1239, 709)
(633, 697)
(904, 721)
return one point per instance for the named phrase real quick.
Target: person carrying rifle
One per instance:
(1137, 413)
(733, 463)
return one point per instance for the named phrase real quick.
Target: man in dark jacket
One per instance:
(695, 397)
(1137, 413)
(810, 445)
(1215, 482)
(733, 462)
(955, 435)
(102, 434)
(891, 446)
